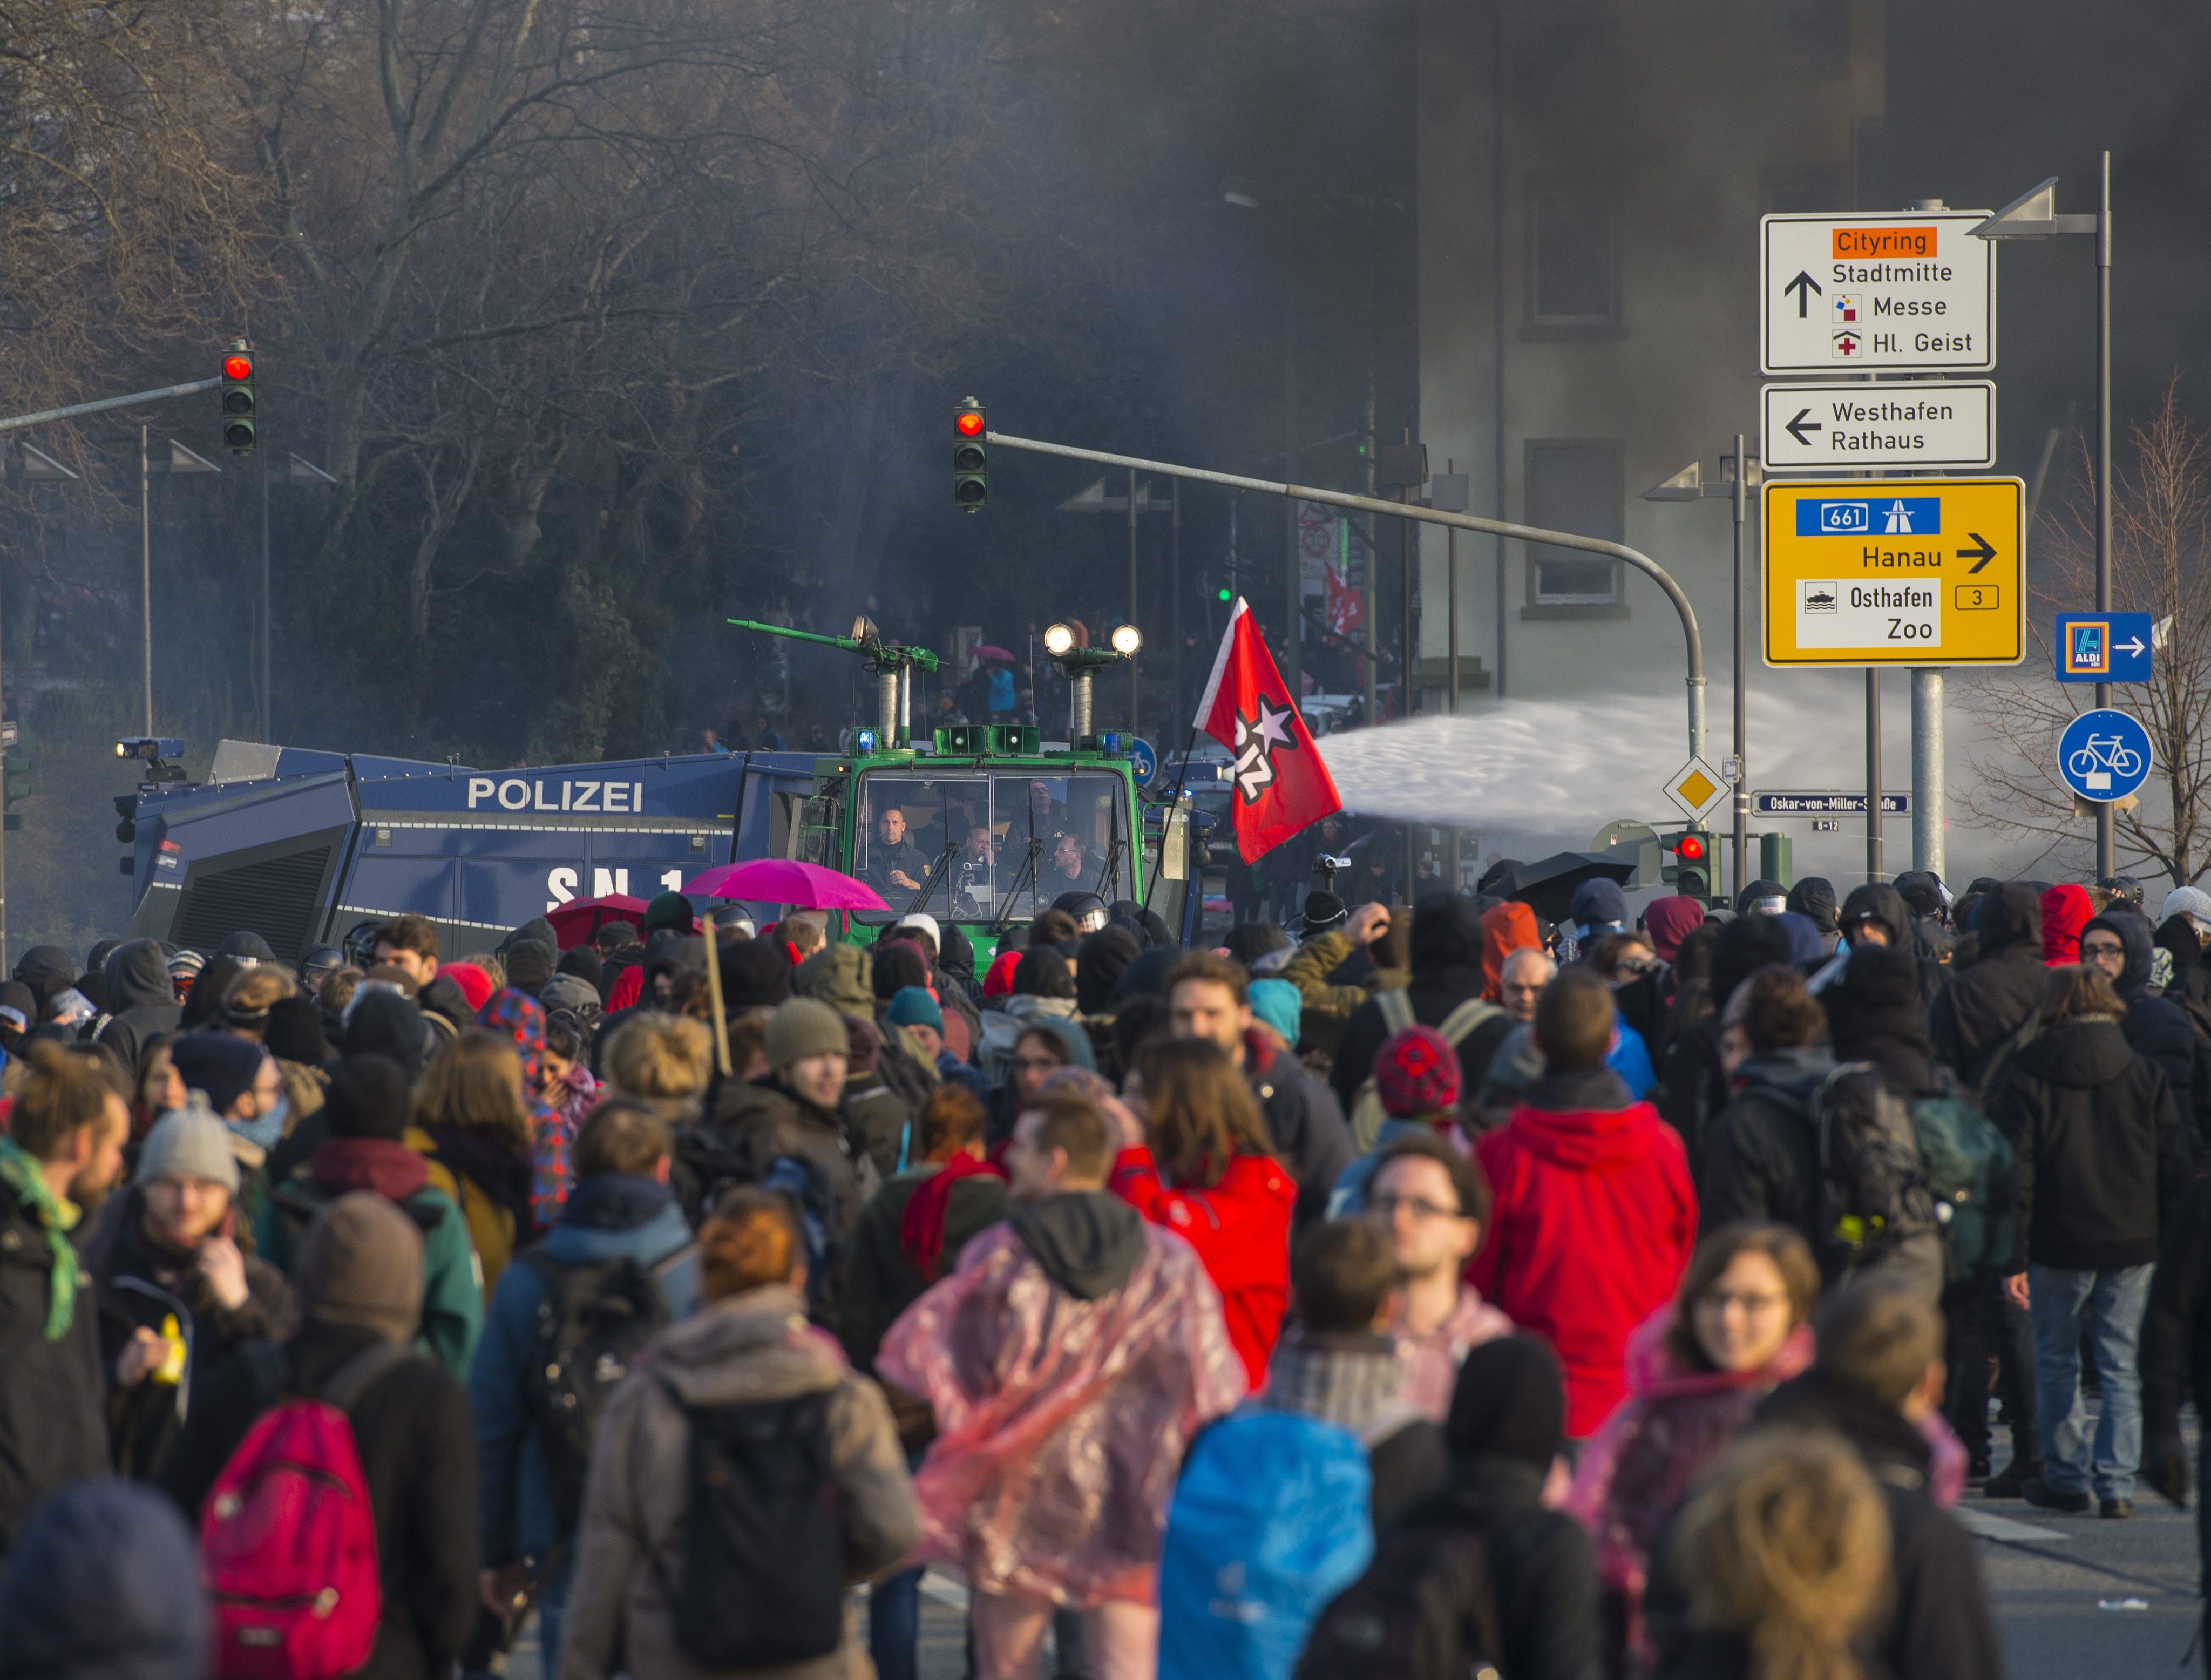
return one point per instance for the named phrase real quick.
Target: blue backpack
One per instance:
(1271, 1519)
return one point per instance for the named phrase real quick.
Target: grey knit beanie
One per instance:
(189, 1142)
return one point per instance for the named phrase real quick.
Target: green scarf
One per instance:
(28, 1179)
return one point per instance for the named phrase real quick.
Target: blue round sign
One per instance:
(2103, 755)
(1146, 760)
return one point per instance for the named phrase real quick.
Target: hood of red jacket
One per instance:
(1587, 1137)
(2066, 909)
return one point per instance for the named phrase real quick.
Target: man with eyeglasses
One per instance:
(1433, 1202)
(2118, 945)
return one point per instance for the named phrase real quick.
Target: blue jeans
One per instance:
(894, 1626)
(2112, 1302)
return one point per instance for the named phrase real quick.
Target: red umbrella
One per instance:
(577, 922)
(786, 881)
(991, 650)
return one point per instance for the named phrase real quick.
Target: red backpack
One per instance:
(287, 1539)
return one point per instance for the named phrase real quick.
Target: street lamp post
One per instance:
(2033, 215)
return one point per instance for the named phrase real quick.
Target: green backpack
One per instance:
(1367, 1114)
(1968, 1163)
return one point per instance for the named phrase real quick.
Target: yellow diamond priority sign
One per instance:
(1696, 787)
(1895, 572)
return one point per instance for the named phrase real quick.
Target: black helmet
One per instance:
(319, 963)
(359, 946)
(1087, 909)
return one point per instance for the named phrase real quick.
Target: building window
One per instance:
(1812, 38)
(1573, 258)
(1575, 485)
(1809, 192)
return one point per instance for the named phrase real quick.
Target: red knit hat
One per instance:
(475, 985)
(1416, 1072)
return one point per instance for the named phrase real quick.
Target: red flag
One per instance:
(1281, 785)
(1347, 607)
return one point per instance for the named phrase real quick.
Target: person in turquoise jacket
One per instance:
(366, 1112)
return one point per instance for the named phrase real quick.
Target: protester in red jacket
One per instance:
(1595, 1214)
(1207, 1176)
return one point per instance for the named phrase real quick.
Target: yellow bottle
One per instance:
(171, 1368)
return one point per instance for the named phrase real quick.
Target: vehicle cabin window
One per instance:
(903, 825)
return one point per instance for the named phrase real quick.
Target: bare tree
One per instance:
(2161, 565)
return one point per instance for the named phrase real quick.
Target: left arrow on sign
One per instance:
(1798, 427)
(1803, 286)
(1980, 555)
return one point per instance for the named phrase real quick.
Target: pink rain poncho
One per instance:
(1061, 1423)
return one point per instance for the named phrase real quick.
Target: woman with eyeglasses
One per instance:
(1740, 1326)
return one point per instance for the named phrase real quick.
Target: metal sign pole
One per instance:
(1742, 871)
(1927, 769)
(146, 573)
(2106, 864)
(1873, 774)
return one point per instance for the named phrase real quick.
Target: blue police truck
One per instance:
(301, 846)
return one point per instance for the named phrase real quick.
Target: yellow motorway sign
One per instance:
(1895, 572)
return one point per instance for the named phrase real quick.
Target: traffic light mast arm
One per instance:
(15, 422)
(1395, 510)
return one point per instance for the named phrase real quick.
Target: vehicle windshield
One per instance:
(976, 847)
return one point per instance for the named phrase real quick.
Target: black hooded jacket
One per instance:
(2155, 1027)
(46, 969)
(1985, 1004)
(140, 1001)
(1882, 901)
(1505, 1419)
(1692, 1085)
(1877, 1013)
(1814, 896)
(2102, 1153)
(1762, 1151)
(1446, 970)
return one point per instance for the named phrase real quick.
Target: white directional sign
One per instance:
(1912, 290)
(1922, 423)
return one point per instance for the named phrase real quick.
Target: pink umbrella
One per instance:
(785, 880)
(991, 651)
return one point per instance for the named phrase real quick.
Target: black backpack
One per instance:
(1425, 1610)
(763, 1571)
(591, 1321)
(1874, 1193)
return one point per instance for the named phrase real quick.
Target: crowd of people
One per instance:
(1443, 1292)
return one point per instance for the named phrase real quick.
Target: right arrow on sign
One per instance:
(1798, 427)
(1803, 286)
(1980, 555)
(2135, 646)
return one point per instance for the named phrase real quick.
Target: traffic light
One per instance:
(971, 458)
(15, 787)
(238, 414)
(1688, 862)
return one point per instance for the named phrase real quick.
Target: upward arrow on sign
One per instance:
(1803, 286)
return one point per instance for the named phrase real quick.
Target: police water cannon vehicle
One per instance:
(983, 825)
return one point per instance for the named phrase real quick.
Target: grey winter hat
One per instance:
(2192, 902)
(802, 1028)
(360, 1262)
(189, 1142)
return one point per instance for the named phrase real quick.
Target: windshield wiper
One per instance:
(929, 883)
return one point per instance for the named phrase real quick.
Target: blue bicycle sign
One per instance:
(2103, 755)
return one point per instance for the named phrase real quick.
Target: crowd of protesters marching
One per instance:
(1435, 1291)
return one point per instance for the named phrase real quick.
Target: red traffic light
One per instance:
(237, 367)
(969, 424)
(1691, 849)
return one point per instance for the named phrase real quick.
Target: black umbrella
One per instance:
(1547, 887)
